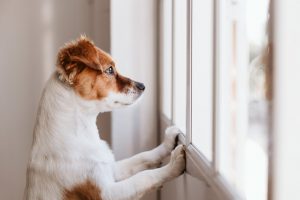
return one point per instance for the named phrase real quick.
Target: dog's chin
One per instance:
(123, 100)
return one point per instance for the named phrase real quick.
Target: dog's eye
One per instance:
(110, 70)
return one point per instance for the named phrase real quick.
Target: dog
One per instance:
(69, 161)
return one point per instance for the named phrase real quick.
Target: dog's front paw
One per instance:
(171, 136)
(177, 161)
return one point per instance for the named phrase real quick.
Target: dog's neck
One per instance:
(64, 114)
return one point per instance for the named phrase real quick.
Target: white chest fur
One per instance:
(67, 148)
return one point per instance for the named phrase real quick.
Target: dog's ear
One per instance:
(75, 56)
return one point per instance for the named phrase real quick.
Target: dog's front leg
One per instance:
(147, 160)
(136, 186)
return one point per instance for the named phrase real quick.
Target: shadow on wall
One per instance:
(31, 33)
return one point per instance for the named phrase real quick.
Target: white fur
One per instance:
(67, 150)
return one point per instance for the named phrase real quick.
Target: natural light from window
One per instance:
(202, 76)
(180, 64)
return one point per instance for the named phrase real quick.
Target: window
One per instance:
(215, 88)
(179, 63)
(166, 62)
(202, 76)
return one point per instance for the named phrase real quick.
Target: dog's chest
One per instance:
(95, 151)
(103, 153)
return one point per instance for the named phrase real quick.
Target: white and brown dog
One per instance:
(68, 159)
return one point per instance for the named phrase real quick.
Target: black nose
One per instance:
(140, 86)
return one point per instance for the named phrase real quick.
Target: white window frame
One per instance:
(285, 159)
(197, 164)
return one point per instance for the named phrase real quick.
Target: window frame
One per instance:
(197, 164)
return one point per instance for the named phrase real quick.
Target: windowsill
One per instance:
(199, 167)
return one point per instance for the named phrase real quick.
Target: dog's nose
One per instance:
(140, 86)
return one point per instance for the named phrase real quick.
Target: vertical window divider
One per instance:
(189, 75)
(172, 65)
(215, 83)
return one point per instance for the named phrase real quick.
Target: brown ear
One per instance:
(75, 56)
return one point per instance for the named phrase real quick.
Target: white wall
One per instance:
(134, 47)
(31, 33)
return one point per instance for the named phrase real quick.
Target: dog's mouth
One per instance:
(130, 98)
(122, 103)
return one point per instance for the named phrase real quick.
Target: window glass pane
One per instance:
(256, 147)
(180, 63)
(166, 58)
(202, 74)
(243, 97)
(232, 75)
(233, 94)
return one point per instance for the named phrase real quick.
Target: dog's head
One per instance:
(92, 74)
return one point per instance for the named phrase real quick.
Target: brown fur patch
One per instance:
(91, 85)
(82, 65)
(123, 83)
(84, 191)
(76, 55)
